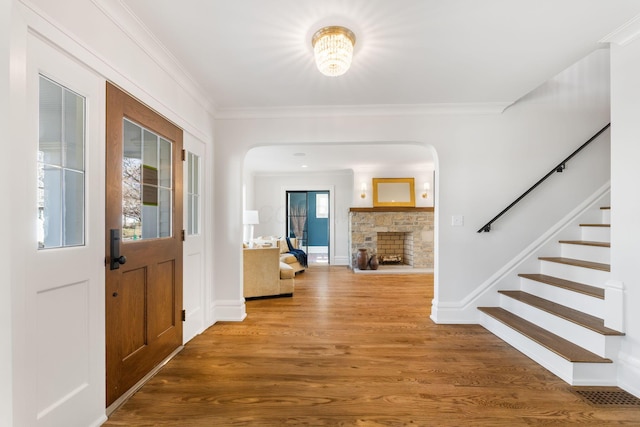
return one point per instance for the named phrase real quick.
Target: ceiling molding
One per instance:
(624, 34)
(362, 110)
(122, 16)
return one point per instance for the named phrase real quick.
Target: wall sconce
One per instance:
(363, 191)
(426, 188)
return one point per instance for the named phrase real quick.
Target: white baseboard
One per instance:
(629, 373)
(97, 423)
(340, 260)
(229, 310)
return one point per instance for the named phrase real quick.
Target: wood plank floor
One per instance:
(355, 350)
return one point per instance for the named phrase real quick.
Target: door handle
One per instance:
(116, 259)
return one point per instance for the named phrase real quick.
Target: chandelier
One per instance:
(333, 49)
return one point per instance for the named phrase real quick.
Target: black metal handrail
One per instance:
(559, 168)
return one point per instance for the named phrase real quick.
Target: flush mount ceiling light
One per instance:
(333, 49)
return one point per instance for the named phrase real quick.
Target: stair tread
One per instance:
(595, 225)
(566, 284)
(560, 346)
(587, 243)
(583, 319)
(578, 263)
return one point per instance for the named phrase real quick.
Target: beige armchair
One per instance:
(265, 275)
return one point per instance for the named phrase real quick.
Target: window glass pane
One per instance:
(322, 206)
(61, 189)
(147, 202)
(190, 214)
(150, 223)
(196, 215)
(131, 182)
(190, 173)
(73, 208)
(196, 174)
(165, 212)
(193, 199)
(165, 164)
(50, 120)
(73, 143)
(52, 207)
(150, 149)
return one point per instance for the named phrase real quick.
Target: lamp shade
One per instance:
(333, 50)
(250, 218)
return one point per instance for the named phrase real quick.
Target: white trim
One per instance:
(229, 310)
(614, 313)
(44, 27)
(362, 110)
(624, 34)
(629, 373)
(139, 34)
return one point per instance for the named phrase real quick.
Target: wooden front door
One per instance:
(143, 241)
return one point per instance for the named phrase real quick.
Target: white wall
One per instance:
(269, 199)
(484, 162)
(6, 376)
(625, 202)
(420, 174)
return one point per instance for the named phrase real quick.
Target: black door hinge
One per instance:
(184, 237)
(184, 154)
(184, 315)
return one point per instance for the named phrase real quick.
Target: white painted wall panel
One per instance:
(6, 312)
(62, 341)
(625, 203)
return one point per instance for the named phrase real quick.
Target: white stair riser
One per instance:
(602, 345)
(572, 373)
(606, 216)
(586, 253)
(588, 276)
(585, 303)
(596, 234)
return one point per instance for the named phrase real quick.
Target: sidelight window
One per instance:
(61, 166)
(193, 194)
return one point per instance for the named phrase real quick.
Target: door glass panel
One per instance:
(146, 184)
(73, 127)
(193, 194)
(131, 182)
(61, 189)
(51, 207)
(73, 208)
(165, 163)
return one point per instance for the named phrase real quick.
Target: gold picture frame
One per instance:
(394, 192)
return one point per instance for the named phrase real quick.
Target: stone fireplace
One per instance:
(407, 232)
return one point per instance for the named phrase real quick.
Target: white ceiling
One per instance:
(256, 54)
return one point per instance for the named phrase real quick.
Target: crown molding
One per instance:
(124, 18)
(362, 110)
(624, 34)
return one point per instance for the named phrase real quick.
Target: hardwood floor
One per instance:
(355, 350)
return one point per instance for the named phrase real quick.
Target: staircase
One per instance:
(556, 317)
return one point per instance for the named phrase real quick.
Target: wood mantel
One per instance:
(392, 209)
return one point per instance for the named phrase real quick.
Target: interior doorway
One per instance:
(308, 221)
